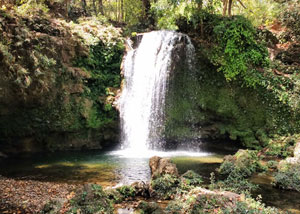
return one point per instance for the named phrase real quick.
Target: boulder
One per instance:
(297, 150)
(160, 166)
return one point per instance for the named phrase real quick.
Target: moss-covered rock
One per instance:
(54, 82)
(234, 91)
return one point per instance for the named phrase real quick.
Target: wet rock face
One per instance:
(160, 166)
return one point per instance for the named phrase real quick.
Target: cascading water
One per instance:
(147, 70)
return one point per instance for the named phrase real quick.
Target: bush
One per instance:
(127, 191)
(235, 182)
(272, 164)
(214, 202)
(149, 208)
(190, 179)
(244, 163)
(91, 200)
(237, 53)
(288, 177)
(165, 186)
(235, 171)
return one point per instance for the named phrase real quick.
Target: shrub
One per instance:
(190, 179)
(91, 200)
(127, 191)
(244, 162)
(288, 177)
(165, 186)
(235, 171)
(235, 182)
(237, 53)
(212, 202)
(272, 164)
(149, 208)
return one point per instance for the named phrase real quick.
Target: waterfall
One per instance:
(147, 71)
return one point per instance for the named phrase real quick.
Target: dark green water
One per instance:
(110, 169)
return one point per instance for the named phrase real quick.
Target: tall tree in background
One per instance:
(84, 6)
(101, 7)
(147, 6)
(227, 6)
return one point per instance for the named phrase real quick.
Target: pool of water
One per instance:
(122, 167)
(105, 168)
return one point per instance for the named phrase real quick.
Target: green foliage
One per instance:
(244, 162)
(190, 179)
(212, 202)
(169, 13)
(236, 169)
(91, 200)
(290, 17)
(32, 7)
(235, 182)
(165, 186)
(281, 147)
(127, 191)
(258, 12)
(272, 164)
(56, 75)
(104, 65)
(237, 53)
(149, 208)
(52, 207)
(288, 176)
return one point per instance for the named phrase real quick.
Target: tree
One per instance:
(147, 6)
(227, 6)
(101, 7)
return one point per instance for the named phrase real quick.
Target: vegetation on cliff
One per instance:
(56, 77)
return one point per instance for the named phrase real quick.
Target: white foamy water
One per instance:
(131, 153)
(147, 70)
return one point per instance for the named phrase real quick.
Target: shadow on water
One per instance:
(68, 167)
(271, 196)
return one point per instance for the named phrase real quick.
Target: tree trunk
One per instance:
(83, 2)
(94, 7)
(225, 2)
(229, 7)
(147, 6)
(122, 10)
(67, 3)
(101, 7)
